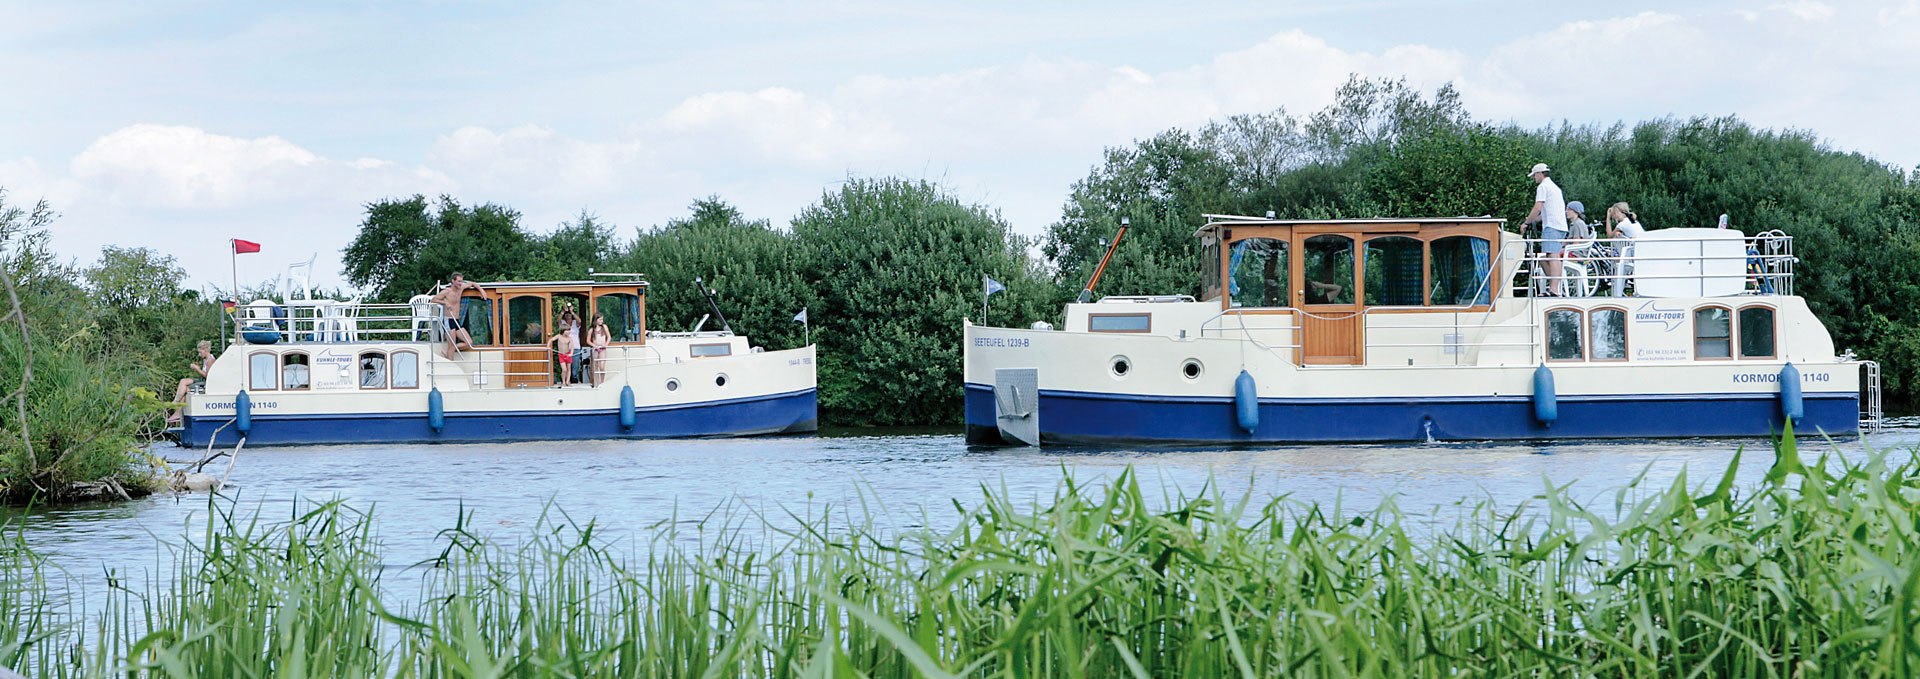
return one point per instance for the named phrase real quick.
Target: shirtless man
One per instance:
(449, 301)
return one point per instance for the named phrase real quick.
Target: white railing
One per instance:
(1762, 264)
(546, 371)
(326, 321)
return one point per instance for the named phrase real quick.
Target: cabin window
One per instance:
(373, 370)
(1756, 332)
(263, 371)
(1258, 273)
(1712, 333)
(405, 369)
(710, 350)
(622, 312)
(477, 315)
(1210, 266)
(1564, 335)
(1119, 322)
(1607, 334)
(1329, 270)
(1460, 266)
(295, 370)
(524, 319)
(1393, 269)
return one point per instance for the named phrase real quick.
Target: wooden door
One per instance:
(1327, 291)
(529, 360)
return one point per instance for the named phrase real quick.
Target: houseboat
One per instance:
(305, 371)
(1429, 330)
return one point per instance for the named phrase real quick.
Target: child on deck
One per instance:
(563, 343)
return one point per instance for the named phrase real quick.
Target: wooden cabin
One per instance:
(519, 320)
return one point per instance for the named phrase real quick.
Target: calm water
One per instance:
(415, 491)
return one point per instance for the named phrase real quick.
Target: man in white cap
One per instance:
(1550, 210)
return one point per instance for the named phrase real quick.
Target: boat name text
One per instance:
(1010, 342)
(1750, 378)
(228, 405)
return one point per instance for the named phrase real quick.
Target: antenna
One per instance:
(713, 304)
(1086, 294)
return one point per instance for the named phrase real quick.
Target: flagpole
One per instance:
(806, 326)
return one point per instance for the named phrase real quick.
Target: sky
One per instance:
(178, 124)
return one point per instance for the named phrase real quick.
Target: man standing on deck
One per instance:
(1550, 210)
(449, 301)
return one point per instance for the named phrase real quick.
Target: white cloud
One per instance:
(1015, 134)
(183, 167)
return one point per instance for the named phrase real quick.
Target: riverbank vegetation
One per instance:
(1811, 571)
(888, 266)
(85, 354)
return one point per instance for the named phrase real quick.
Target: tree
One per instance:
(404, 249)
(571, 252)
(896, 267)
(752, 268)
(130, 278)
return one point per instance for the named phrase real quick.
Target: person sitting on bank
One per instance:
(1550, 210)
(563, 344)
(202, 365)
(449, 300)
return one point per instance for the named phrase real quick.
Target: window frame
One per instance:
(1626, 338)
(1732, 338)
(416, 368)
(693, 353)
(1738, 329)
(1426, 265)
(1581, 325)
(283, 370)
(386, 370)
(1130, 314)
(276, 370)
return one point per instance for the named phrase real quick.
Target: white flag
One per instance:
(992, 285)
(800, 317)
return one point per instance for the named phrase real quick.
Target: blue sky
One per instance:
(176, 125)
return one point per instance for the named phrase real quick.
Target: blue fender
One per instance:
(243, 413)
(1246, 402)
(436, 410)
(1546, 404)
(626, 406)
(1791, 405)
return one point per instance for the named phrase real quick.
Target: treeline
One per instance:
(888, 267)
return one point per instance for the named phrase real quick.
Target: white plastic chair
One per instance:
(426, 318)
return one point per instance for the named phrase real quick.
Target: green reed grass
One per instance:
(1811, 572)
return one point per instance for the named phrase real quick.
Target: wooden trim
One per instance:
(1626, 338)
(1263, 311)
(1546, 331)
(1733, 346)
(1135, 314)
(276, 370)
(1478, 309)
(1736, 328)
(416, 368)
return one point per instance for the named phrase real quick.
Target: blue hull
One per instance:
(1084, 417)
(793, 412)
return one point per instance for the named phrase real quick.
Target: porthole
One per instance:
(1121, 366)
(1192, 369)
(673, 385)
(720, 380)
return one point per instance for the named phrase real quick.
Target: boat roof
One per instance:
(563, 284)
(1218, 221)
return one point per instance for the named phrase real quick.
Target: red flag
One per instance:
(241, 247)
